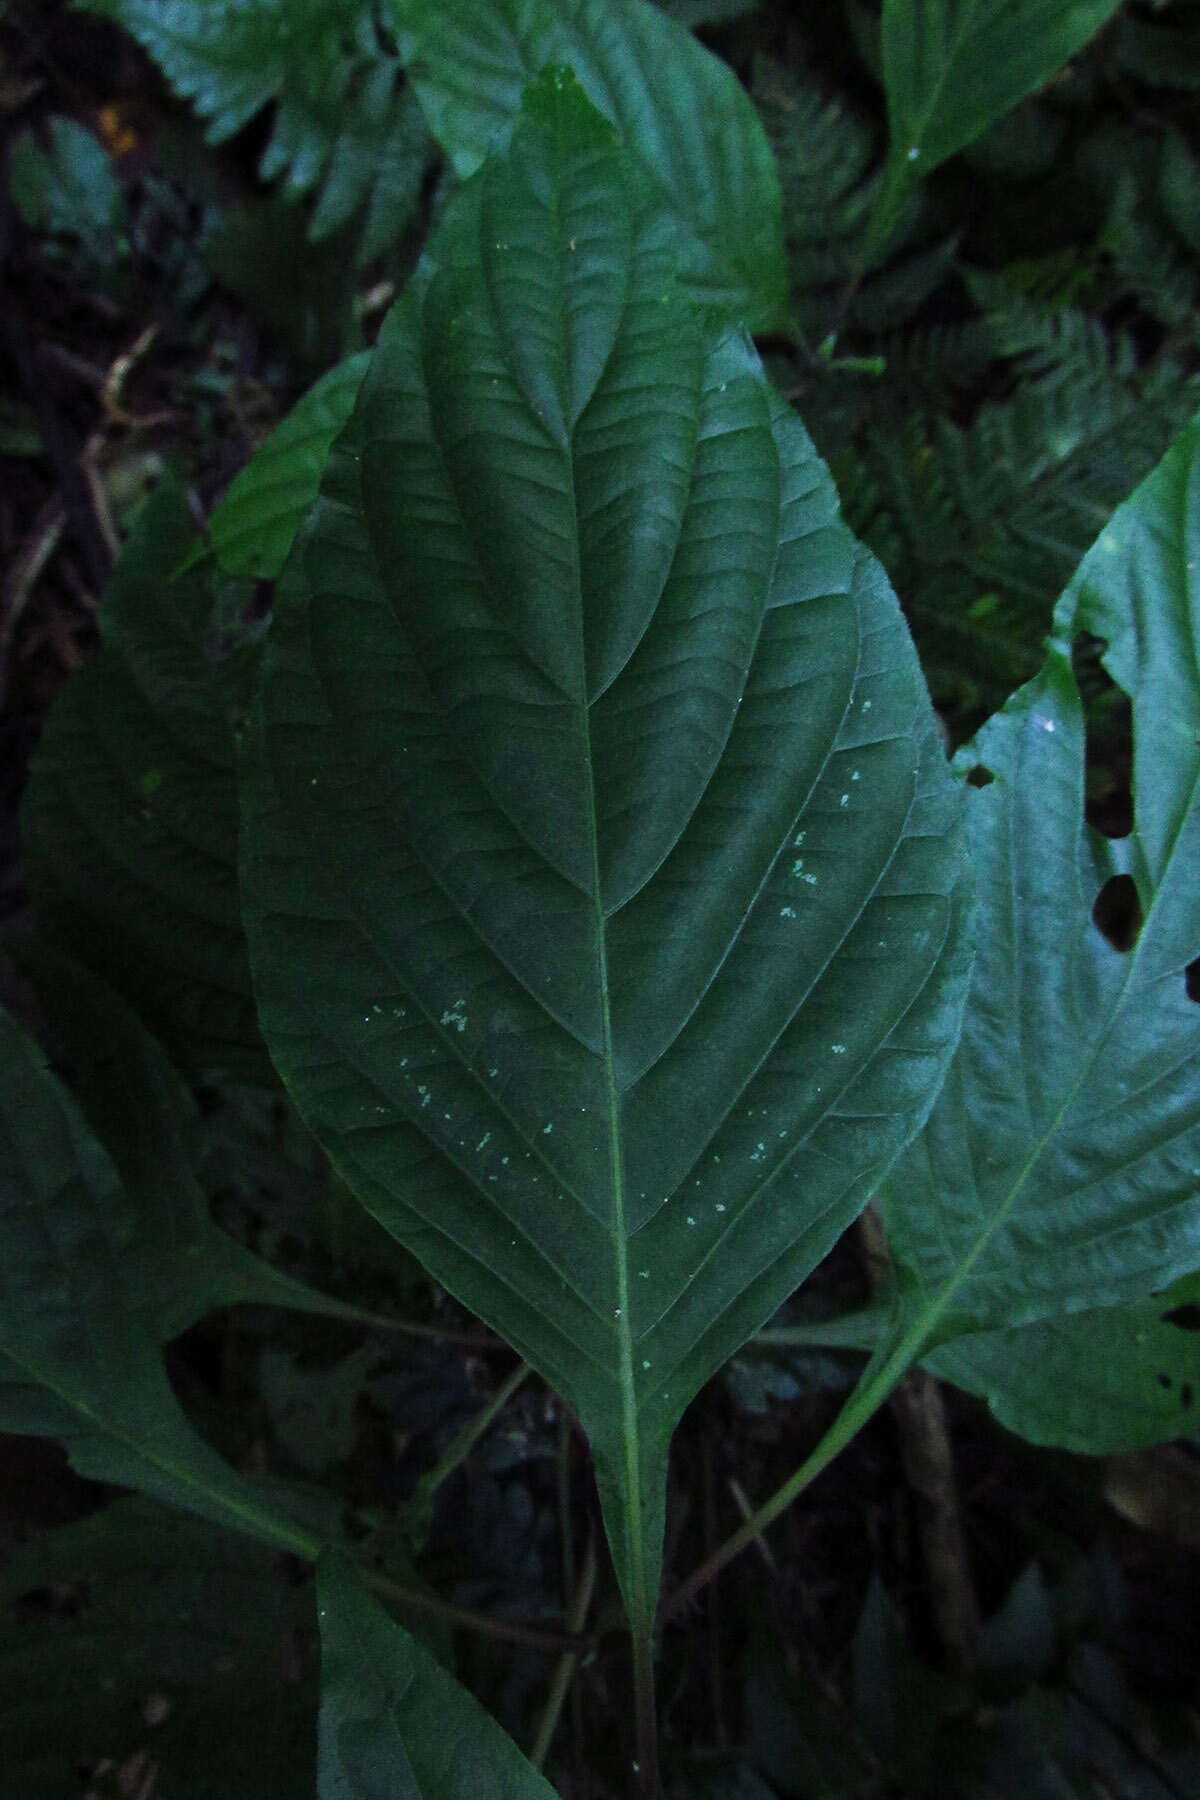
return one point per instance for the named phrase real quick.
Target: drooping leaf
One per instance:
(141, 1632)
(952, 67)
(1060, 1168)
(252, 528)
(1120, 1378)
(129, 824)
(178, 1264)
(76, 1360)
(394, 1725)
(602, 871)
(682, 113)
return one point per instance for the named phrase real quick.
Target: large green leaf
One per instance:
(602, 871)
(1060, 1168)
(394, 1725)
(698, 140)
(77, 1361)
(129, 824)
(952, 67)
(148, 1634)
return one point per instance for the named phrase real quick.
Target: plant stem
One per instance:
(457, 1452)
(645, 1716)
(568, 1662)
(878, 1379)
(556, 1642)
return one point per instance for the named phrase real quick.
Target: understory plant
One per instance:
(579, 849)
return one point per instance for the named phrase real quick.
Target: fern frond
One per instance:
(345, 129)
(980, 526)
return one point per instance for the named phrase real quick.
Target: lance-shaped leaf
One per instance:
(952, 67)
(1119, 1378)
(602, 870)
(1060, 1168)
(700, 144)
(393, 1724)
(129, 825)
(77, 1362)
(177, 1263)
(253, 526)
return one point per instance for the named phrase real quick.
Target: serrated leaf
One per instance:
(952, 67)
(1060, 1169)
(178, 1265)
(1120, 1378)
(602, 870)
(253, 527)
(76, 1361)
(146, 1633)
(696, 136)
(129, 824)
(394, 1725)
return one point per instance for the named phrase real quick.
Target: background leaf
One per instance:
(602, 870)
(143, 1633)
(394, 1725)
(76, 1361)
(178, 1264)
(1060, 1168)
(129, 823)
(1119, 1378)
(682, 113)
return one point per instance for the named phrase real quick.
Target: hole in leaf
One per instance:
(979, 776)
(1191, 978)
(1108, 729)
(1186, 1317)
(1185, 1394)
(1117, 913)
(1164, 1380)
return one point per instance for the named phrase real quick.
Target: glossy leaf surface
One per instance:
(394, 1725)
(129, 824)
(77, 1362)
(1060, 1168)
(698, 140)
(602, 868)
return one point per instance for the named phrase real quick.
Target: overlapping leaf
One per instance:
(254, 525)
(1119, 1378)
(178, 1264)
(393, 1723)
(697, 138)
(602, 872)
(159, 1639)
(77, 1361)
(129, 824)
(1060, 1169)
